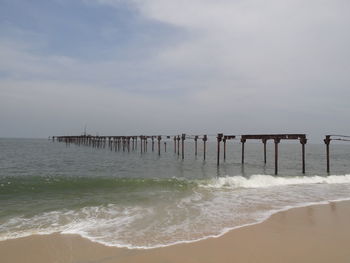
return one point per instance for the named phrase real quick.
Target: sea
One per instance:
(143, 200)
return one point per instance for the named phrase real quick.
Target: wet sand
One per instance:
(319, 233)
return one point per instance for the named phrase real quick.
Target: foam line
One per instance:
(263, 181)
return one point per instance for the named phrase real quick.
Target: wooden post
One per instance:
(277, 141)
(219, 138)
(205, 138)
(174, 144)
(195, 145)
(183, 137)
(327, 142)
(159, 138)
(178, 145)
(264, 142)
(152, 143)
(164, 146)
(243, 142)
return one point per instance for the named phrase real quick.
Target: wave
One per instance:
(263, 181)
(43, 184)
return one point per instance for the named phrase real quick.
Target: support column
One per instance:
(264, 142)
(303, 142)
(277, 141)
(224, 140)
(195, 145)
(174, 144)
(141, 143)
(159, 138)
(178, 145)
(164, 146)
(219, 139)
(183, 137)
(152, 144)
(327, 141)
(243, 142)
(205, 138)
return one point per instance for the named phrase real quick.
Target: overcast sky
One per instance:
(173, 66)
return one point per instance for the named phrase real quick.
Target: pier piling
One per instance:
(205, 138)
(183, 137)
(219, 138)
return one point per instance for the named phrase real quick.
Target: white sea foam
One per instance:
(263, 181)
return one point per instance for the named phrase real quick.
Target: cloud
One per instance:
(194, 65)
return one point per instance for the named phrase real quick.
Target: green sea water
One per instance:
(135, 200)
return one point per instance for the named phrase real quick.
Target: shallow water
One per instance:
(145, 200)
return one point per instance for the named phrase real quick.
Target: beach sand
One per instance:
(319, 233)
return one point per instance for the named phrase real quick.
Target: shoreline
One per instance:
(224, 232)
(321, 226)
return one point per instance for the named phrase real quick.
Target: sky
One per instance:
(130, 67)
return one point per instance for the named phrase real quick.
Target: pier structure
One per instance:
(327, 141)
(129, 143)
(224, 139)
(276, 139)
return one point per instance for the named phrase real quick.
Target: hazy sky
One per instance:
(173, 66)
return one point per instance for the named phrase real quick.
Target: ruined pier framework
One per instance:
(130, 143)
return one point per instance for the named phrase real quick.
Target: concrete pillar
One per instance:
(243, 142)
(159, 138)
(205, 138)
(183, 137)
(303, 142)
(224, 141)
(327, 141)
(219, 139)
(264, 142)
(277, 141)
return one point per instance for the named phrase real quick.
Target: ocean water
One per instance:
(134, 200)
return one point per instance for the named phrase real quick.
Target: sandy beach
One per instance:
(318, 233)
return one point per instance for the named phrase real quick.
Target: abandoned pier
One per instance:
(141, 143)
